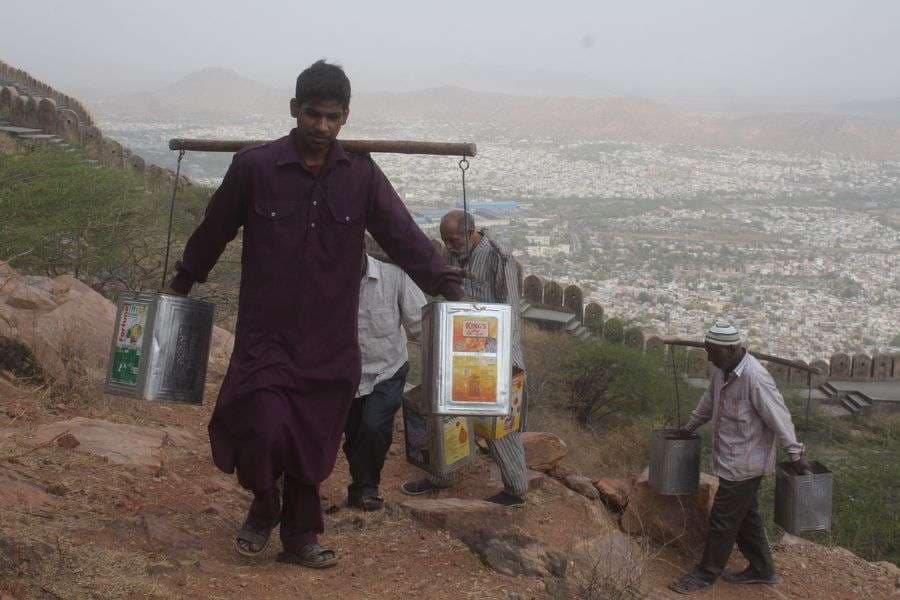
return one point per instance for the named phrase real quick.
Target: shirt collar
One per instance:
(373, 268)
(288, 153)
(742, 365)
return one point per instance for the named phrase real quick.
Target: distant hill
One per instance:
(219, 93)
(887, 108)
(212, 90)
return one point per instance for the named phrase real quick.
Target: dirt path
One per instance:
(75, 525)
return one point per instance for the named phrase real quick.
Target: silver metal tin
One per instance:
(160, 348)
(674, 463)
(803, 502)
(466, 358)
(439, 444)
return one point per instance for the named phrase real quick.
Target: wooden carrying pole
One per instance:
(393, 146)
(766, 357)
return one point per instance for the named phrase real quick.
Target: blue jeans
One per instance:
(369, 432)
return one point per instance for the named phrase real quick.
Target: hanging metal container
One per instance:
(674, 463)
(803, 502)
(439, 444)
(466, 357)
(160, 347)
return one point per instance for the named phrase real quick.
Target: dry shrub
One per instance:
(610, 570)
(76, 384)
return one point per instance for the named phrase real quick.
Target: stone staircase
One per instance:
(854, 401)
(554, 319)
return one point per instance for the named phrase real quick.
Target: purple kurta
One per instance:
(296, 363)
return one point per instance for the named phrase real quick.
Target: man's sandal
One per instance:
(688, 584)
(252, 540)
(312, 556)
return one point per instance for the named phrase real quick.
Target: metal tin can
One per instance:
(674, 463)
(466, 358)
(803, 502)
(160, 347)
(439, 444)
(495, 428)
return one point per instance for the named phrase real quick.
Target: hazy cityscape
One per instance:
(801, 249)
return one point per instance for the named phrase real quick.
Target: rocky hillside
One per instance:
(105, 497)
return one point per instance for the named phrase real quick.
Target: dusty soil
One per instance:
(73, 525)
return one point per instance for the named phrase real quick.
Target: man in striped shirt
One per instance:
(491, 276)
(748, 415)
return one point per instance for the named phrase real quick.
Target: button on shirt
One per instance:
(748, 414)
(390, 307)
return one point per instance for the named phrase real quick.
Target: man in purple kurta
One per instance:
(304, 203)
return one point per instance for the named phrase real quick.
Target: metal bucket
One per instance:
(160, 348)
(803, 502)
(466, 358)
(438, 444)
(674, 463)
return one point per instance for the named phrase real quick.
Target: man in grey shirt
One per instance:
(390, 307)
(490, 276)
(748, 415)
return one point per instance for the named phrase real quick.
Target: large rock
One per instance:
(582, 485)
(69, 326)
(613, 492)
(452, 513)
(678, 520)
(130, 445)
(515, 554)
(543, 451)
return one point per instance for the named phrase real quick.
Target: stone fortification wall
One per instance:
(31, 103)
(550, 295)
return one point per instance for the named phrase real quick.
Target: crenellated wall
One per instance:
(33, 104)
(549, 294)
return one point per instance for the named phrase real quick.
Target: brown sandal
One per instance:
(312, 556)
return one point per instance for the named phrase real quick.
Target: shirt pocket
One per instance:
(274, 211)
(383, 322)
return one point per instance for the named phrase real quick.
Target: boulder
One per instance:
(452, 513)
(543, 451)
(68, 325)
(678, 520)
(515, 554)
(130, 445)
(582, 485)
(613, 492)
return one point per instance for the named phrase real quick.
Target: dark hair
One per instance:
(323, 81)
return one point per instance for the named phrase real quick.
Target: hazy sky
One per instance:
(810, 49)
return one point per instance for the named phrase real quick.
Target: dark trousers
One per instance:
(734, 517)
(299, 507)
(369, 432)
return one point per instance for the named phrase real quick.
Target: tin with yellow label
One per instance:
(466, 358)
(495, 428)
(439, 444)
